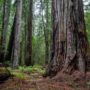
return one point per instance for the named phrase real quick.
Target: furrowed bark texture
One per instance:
(70, 42)
(28, 61)
(11, 42)
(16, 43)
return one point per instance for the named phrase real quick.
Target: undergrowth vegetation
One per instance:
(22, 72)
(32, 69)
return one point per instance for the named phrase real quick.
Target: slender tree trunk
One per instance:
(46, 29)
(6, 14)
(46, 33)
(16, 44)
(28, 61)
(23, 46)
(69, 37)
(11, 41)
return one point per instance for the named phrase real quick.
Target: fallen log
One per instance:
(4, 73)
(4, 77)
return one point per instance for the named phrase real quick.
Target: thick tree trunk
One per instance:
(16, 44)
(69, 37)
(28, 61)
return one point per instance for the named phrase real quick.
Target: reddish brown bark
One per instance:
(69, 37)
(28, 61)
(16, 42)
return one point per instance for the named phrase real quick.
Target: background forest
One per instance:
(26, 37)
(41, 29)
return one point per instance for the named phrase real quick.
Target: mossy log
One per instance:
(4, 74)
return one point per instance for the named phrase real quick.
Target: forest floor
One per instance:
(35, 81)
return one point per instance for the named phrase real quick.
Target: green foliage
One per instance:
(21, 72)
(38, 38)
(19, 75)
(38, 53)
(87, 19)
(32, 69)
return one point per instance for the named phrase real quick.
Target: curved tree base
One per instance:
(69, 44)
(68, 67)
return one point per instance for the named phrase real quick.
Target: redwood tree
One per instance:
(70, 44)
(5, 21)
(28, 60)
(16, 30)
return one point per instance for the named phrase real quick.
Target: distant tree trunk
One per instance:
(6, 14)
(28, 61)
(11, 41)
(46, 29)
(16, 44)
(22, 57)
(70, 42)
(23, 45)
(46, 33)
